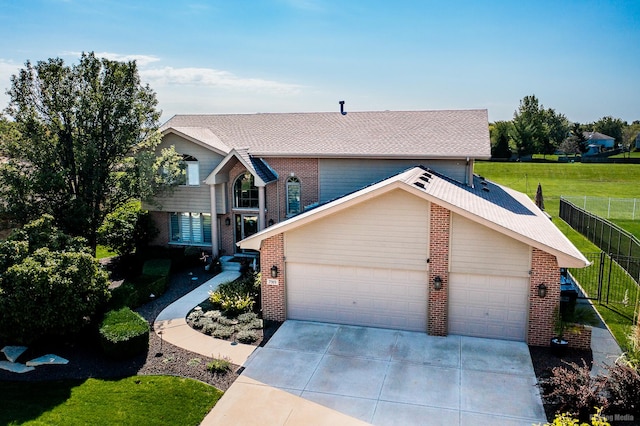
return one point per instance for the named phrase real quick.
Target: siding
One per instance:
(389, 231)
(477, 249)
(342, 176)
(190, 198)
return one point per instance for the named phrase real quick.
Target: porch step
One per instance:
(228, 265)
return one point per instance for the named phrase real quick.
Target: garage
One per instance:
(372, 297)
(488, 306)
(487, 299)
(365, 266)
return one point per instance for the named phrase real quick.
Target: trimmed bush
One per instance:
(136, 292)
(123, 334)
(247, 336)
(223, 331)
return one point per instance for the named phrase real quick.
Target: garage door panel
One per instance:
(375, 297)
(488, 306)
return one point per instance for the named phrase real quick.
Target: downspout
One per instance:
(261, 208)
(214, 222)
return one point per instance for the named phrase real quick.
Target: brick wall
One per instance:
(544, 269)
(306, 170)
(161, 221)
(273, 296)
(580, 338)
(440, 222)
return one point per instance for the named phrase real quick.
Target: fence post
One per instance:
(600, 276)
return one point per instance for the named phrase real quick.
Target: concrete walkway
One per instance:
(604, 347)
(171, 325)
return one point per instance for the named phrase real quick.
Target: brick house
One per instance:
(369, 218)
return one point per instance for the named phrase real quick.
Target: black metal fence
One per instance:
(620, 244)
(610, 284)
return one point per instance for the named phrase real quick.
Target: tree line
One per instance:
(535, 129)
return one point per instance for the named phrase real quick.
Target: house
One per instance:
(370, 218)
(253, 170)
(598, 142)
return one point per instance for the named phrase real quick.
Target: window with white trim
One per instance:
(190, 228)
(192, 171)
(293, 196)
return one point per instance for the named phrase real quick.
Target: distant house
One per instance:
(598, 142)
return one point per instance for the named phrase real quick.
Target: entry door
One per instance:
(246, 225)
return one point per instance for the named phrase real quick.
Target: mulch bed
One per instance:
(86, 360)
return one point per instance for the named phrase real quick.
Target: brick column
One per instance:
(273, 289)
(544, 270)
(439, 228)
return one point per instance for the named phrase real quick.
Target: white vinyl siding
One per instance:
(338, 177)
(365, 265)
(480, 250)
(389, 231)
(189, 198)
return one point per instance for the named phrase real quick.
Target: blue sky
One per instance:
(581, 58)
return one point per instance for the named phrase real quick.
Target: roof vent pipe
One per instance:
(342, 111)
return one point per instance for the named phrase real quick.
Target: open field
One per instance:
(573, 179)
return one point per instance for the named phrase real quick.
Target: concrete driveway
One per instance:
(320, 373)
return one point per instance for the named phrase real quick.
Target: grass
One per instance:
(104, 252)
(138, 400)
(573, 179)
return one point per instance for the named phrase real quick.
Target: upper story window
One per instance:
(192, 171)
(293, 196)
(245, 193)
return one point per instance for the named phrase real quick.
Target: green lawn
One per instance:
(104, 251)
(138, 400)
(573, 179)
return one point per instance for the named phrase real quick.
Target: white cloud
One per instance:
(141, 60)
(209, 77)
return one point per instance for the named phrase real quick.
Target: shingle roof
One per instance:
(403, 134)
(596, 136)
(507, 211)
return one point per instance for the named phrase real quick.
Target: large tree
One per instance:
(86, 135)
(557, 130)
(499, 132)
(529, 131)
(610, 126)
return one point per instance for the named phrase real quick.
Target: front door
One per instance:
(246, 225)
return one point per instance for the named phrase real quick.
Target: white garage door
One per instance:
(488, 306)
(374, 297)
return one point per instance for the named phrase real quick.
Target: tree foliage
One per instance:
(529, 129)
(49, 283)
(85, 141)
(610, 126)
(127, 228)
(500, 139)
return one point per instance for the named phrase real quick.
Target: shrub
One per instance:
(573, 390)
(223, 331)
(623, 386)
(123, 334)
(256, 324)
(209, 328)
(48, 293)
(219, 365)
(214, 315)
(566, 420)
(136, 292)
(247, 336)
(127, 228)
(247, 317)
(230, 302)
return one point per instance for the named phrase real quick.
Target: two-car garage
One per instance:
(359, 267)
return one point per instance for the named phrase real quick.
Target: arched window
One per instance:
(245, 193)
(293, 196)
